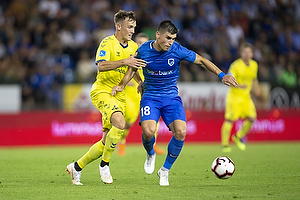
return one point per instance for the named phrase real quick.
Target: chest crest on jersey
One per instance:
(171, 61)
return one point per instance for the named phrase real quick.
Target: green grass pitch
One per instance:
(263, 171)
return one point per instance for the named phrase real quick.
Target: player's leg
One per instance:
(249, 113)
(225, 135)
(231, 115)
(148, 128)
(246, 126)
(122, 143)
(148, 138)
(173, 115)
(112, 139)
(156, 148)
(131, 114)
(93, 153)
(250, 117)
(149, 115)
(178, 128)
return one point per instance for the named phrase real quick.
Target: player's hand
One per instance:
(229, 81)
(116, 89)
(131, 61)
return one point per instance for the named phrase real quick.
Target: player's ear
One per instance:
(157, 34)
(118, 26)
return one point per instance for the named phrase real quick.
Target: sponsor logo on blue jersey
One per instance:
(159, 72)
(171, 61)
(102, 53)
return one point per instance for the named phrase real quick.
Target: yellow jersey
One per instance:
(110, 49)
(244, 75)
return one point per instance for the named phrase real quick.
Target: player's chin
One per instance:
(166, 48)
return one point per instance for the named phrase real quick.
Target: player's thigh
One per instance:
(150, 109)
(173, 110)
(249, 110)
(107, 105)
(178, 128)
(232, 110)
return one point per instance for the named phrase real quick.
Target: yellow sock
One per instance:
(94, 153)
(111, 142)
(225, 132)
(123, 137)
(245, 128)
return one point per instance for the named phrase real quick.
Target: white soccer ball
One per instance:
(223, 167)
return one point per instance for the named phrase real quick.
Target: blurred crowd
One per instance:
(45, 44)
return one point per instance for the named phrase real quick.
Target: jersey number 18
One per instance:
(145, 110)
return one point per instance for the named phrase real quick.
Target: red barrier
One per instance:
(46, 128)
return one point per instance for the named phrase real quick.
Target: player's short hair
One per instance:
(121, 15)
(246, 45)
(167, 26)
(141, 35)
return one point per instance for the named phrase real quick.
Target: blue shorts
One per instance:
(169, 108)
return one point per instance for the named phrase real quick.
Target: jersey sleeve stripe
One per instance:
(99, 61)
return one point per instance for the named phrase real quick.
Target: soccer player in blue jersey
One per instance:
(160, 93)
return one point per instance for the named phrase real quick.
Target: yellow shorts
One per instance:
(132, 104)
(107, 105)
(236, 109)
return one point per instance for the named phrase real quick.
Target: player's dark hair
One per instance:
(122, 15)
(246, 45)
(141, 35)
(167, 26)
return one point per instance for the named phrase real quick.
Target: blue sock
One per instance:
(148, 145)
(174, 149)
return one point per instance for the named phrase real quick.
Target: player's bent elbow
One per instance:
(100, 67)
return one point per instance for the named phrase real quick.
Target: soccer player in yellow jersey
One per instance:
(133, 105)
(115, 53)
(238, 101)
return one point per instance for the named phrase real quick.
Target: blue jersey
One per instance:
(162, 70)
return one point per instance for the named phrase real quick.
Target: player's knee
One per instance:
(148, 133)
(118, 120)
(120, 124)
(180, 134)
(251, 119)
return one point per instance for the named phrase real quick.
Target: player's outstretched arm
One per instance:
(226, 79)
(131, 61)
(256, 88)
(127, 77)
